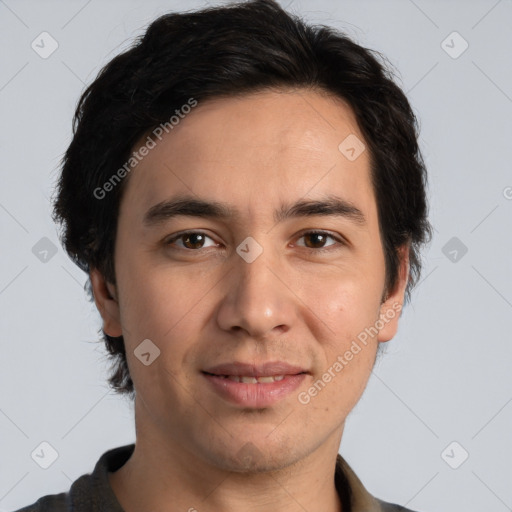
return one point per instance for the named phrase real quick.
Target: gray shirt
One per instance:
(92, 492)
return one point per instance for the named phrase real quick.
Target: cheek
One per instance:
(345, 299)
(155, 298)
(349, 309)
(348, 355)
(168, 308)
(155, 307)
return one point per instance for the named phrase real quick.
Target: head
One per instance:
(251, 110)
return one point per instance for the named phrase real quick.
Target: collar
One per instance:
(352, 492)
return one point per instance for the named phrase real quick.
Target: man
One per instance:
(247, 196)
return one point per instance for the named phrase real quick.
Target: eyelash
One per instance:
(329, 248)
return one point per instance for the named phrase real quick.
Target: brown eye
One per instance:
(191, 240)
(317, 240)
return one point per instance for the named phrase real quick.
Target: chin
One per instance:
(253, 457)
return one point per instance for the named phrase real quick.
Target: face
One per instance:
(248, 245)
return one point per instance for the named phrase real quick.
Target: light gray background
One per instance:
(446, 376)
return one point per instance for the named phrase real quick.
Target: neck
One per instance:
(163, 475)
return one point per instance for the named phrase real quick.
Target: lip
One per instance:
(256, 370)
(257, 395)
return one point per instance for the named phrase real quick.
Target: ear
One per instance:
(107, 303)
(392, 306)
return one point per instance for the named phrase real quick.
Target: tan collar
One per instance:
(362, 500)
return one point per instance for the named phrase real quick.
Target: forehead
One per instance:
(256, 149)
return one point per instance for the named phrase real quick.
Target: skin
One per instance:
(206, 305)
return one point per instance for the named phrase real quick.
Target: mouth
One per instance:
(254, 385)
(250, 380)
(274, 369)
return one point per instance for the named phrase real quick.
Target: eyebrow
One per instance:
(193, 207)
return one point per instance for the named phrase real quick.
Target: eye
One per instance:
(195, 240)
(191, 240)
(317, 240)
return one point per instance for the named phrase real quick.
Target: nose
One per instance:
(258, 300)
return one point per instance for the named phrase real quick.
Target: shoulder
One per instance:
(50, 503)
(90, 490)
(361, 500)
(391, 507)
